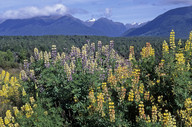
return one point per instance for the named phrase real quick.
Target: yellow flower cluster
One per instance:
(147, 51)
(122, 93)
(23, 75)
(190, 36)
(58, 57)
(168, 120)
(16, 111)
(9, 87)
(148, 119)
(141, 88)
(180, 60)
(160, 99)
(141, 111)
(146, 95)
(136, 74)
(41, 55)
(72, 66)
(6, 79)
(186, 114)
(100, 101)
(32, 59)
(131, 96)
(131, 53)
(36, 52)
(165, 47)
(188, 45)
(105, 89)
(63, 56)
(112, 111)
(75, 99)
(27, 109)
(53, 47)
(122, 73)
(179, 42)
(24, 92)
(92, 96)
(46, 58)
(105, 49)
(137, 95)
(112, 79)
(154, 114)
(2, 75)
(1, 122)
(172, 40)
(32, 100)
(9, 120)
(68, 71)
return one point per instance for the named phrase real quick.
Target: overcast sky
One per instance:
(125, 11)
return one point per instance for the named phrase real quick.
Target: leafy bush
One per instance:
(98, 87)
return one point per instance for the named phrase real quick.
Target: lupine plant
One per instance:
(95, 86)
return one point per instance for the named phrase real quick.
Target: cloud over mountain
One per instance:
(107, 13)
(32, 11)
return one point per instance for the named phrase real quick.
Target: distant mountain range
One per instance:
(179, 19)
(65, 25)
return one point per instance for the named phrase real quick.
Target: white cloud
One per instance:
(108, 12)
(29, 12)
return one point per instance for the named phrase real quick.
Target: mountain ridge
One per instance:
(61, 25)
(179, 19)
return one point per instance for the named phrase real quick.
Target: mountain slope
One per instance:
(69, 25)
(108, 27)
(66, 25)
(179, 19)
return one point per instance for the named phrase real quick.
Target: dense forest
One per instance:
(15, 49)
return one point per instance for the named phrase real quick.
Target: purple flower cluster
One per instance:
(26, 65)
(47, 65)
(93, 47)
(102, 77)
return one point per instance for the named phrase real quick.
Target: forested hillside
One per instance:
(22, 46)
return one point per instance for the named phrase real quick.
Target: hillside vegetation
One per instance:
(21, 47)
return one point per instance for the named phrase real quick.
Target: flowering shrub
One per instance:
(95, 86)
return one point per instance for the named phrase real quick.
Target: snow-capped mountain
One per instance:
(90, 22)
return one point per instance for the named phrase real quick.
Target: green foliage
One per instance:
(99, 87)
(7, 59)
(44, 115)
